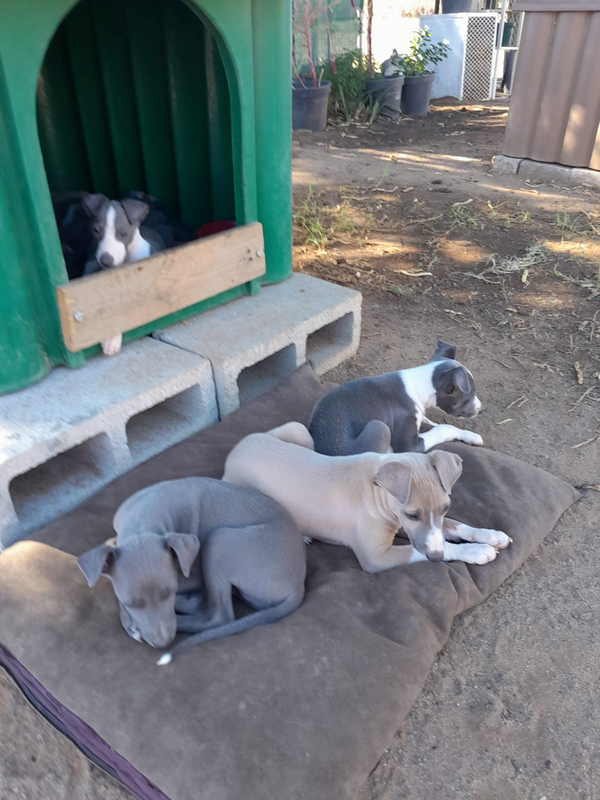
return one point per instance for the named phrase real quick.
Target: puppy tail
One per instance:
(264, 617)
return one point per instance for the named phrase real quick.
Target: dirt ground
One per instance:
(410, 214)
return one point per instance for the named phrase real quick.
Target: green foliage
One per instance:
(348, 84)
(423, 52)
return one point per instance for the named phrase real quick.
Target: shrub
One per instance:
(348, 84)
(422, 53)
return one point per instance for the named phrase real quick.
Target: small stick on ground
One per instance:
(497, 360)
(520, 400)
(587, 441)
(581, 399)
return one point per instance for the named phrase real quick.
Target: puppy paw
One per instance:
(135, 634)
(489, 536)
(476, 553)
(468, 437)
(307, 540)
(111, 347)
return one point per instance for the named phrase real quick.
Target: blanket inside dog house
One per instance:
(186, 100)
(300, 709)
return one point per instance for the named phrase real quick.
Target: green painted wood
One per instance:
(272, 32)
(117, 79)
(184, 47)
(61, 134)
(219, 119)
(22, 356)
(87, 80)
(144, 25)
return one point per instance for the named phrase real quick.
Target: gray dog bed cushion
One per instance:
(300, 709)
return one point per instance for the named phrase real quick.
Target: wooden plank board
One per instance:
(99, 306)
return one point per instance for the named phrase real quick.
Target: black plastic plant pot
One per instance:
(458, 6)
(416, 94)
(387, 93)
(309, 105)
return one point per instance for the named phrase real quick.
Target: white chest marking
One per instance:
(138, 249)
(419, 387)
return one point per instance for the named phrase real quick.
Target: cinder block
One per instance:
(71, 434)
(255, 341)
(506, 165)
(587, 177)
(547, 173)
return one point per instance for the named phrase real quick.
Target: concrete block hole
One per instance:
(165, 424)
(59, 484)
(327, 342)
(259, 378)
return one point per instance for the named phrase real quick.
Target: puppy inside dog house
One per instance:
(176, 99)
(145, 155)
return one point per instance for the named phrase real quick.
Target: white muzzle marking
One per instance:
(109, 242)
(435, 541)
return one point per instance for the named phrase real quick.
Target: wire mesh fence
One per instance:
(338, 28)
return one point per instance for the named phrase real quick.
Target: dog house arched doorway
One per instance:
(133, 95)
(187, 100)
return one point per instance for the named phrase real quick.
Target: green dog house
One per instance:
(184, 99)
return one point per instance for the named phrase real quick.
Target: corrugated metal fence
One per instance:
(555, 105)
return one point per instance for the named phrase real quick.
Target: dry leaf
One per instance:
(578, 372)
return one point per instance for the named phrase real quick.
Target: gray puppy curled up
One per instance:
(184, 546)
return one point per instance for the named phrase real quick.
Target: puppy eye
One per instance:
(97, 230)
(414, 517)
(452, 389)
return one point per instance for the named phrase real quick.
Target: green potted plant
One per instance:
(348, 77)
(415, 67)
(310, 93)
(385, 85)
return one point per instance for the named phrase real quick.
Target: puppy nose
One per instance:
(435, 556)
(106, 260)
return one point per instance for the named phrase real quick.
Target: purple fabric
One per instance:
(84, 736)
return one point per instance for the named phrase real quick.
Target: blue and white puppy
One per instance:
(384, 414)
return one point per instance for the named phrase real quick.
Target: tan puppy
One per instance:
(362, 501)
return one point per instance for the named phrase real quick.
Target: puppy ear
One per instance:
(93, 203)
(458, 377)
(444, 350)
(136, 210)
(185, 548)
(96, 562)
(448, 467)
(395, 477)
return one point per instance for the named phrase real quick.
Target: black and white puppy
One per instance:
(384, 414)
(119, 240)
